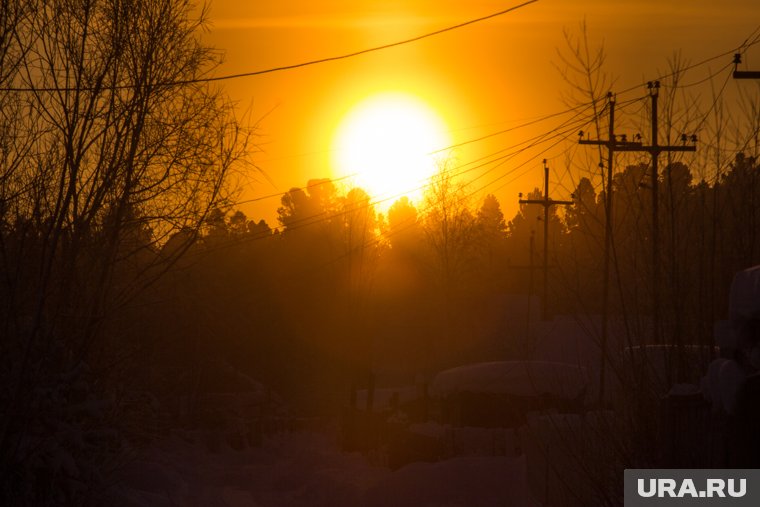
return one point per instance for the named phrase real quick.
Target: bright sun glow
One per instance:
(387, 142)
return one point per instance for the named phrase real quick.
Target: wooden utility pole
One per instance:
(547, 203)
(611, 143)
(654, 149)
(531, 247)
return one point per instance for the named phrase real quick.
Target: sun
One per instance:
(390, 143)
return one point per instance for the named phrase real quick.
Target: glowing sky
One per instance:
(479, 79)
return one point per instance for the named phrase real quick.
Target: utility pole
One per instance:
(531, 246)
(743, 74)
(611, 143)
(547, 203)
(654, 149)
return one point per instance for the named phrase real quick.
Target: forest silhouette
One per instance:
(138, 299)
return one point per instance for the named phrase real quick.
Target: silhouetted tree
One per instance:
(403, 227)
(581, 255)
(114, 148)
(450, 232)
(450, 229)
(490, 218)
(297, 208)
(259, 229)
(238, 223)
(491, 242)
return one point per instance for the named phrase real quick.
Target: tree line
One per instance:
(109, 145)
(339, 291)
(129, 280)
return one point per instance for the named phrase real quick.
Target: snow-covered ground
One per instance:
(307, 469)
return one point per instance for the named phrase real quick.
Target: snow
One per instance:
(730, 378)
(744, 309)
(722, 383)
(465, 482)
(754, 357)
(724, 335)
(429, 429)
(307, 468)
(518, 378)
(472, 441)
(741, 337)
(683, 390)
(382, 397)
(568, 455)
(744, 299)
(469, 440)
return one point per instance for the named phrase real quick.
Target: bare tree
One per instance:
(110, 145)
(449, 228)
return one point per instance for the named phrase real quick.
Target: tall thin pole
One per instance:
(546, 239)
(654, 150)
(612, 143)
(607, 249)
(531, 247)
(654, 93)
(546, 202)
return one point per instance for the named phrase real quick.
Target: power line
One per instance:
(742, 47)
(374, 241)
(750, 41)
(535, 141)
(378, 239)
(281, 194)
(510, 129)
(572, 121)
(282, 67)
(705, 79)
(526, 123)
(563, 135)
(461, 198)
(547, 203)
(306, 221)
(328, 215)
(714, 104)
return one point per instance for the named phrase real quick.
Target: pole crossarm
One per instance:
(636, 146)
(747, 74)
(743, 74)
(547, 203)
(657, 149)
(620, 144)
(613, 142)
(544, 202)
(617, 145)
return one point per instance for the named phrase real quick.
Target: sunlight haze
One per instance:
(483, 78)
(388, 141)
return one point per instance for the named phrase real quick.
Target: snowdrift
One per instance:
(515, 378)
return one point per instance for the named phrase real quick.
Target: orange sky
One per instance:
(480, 79)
